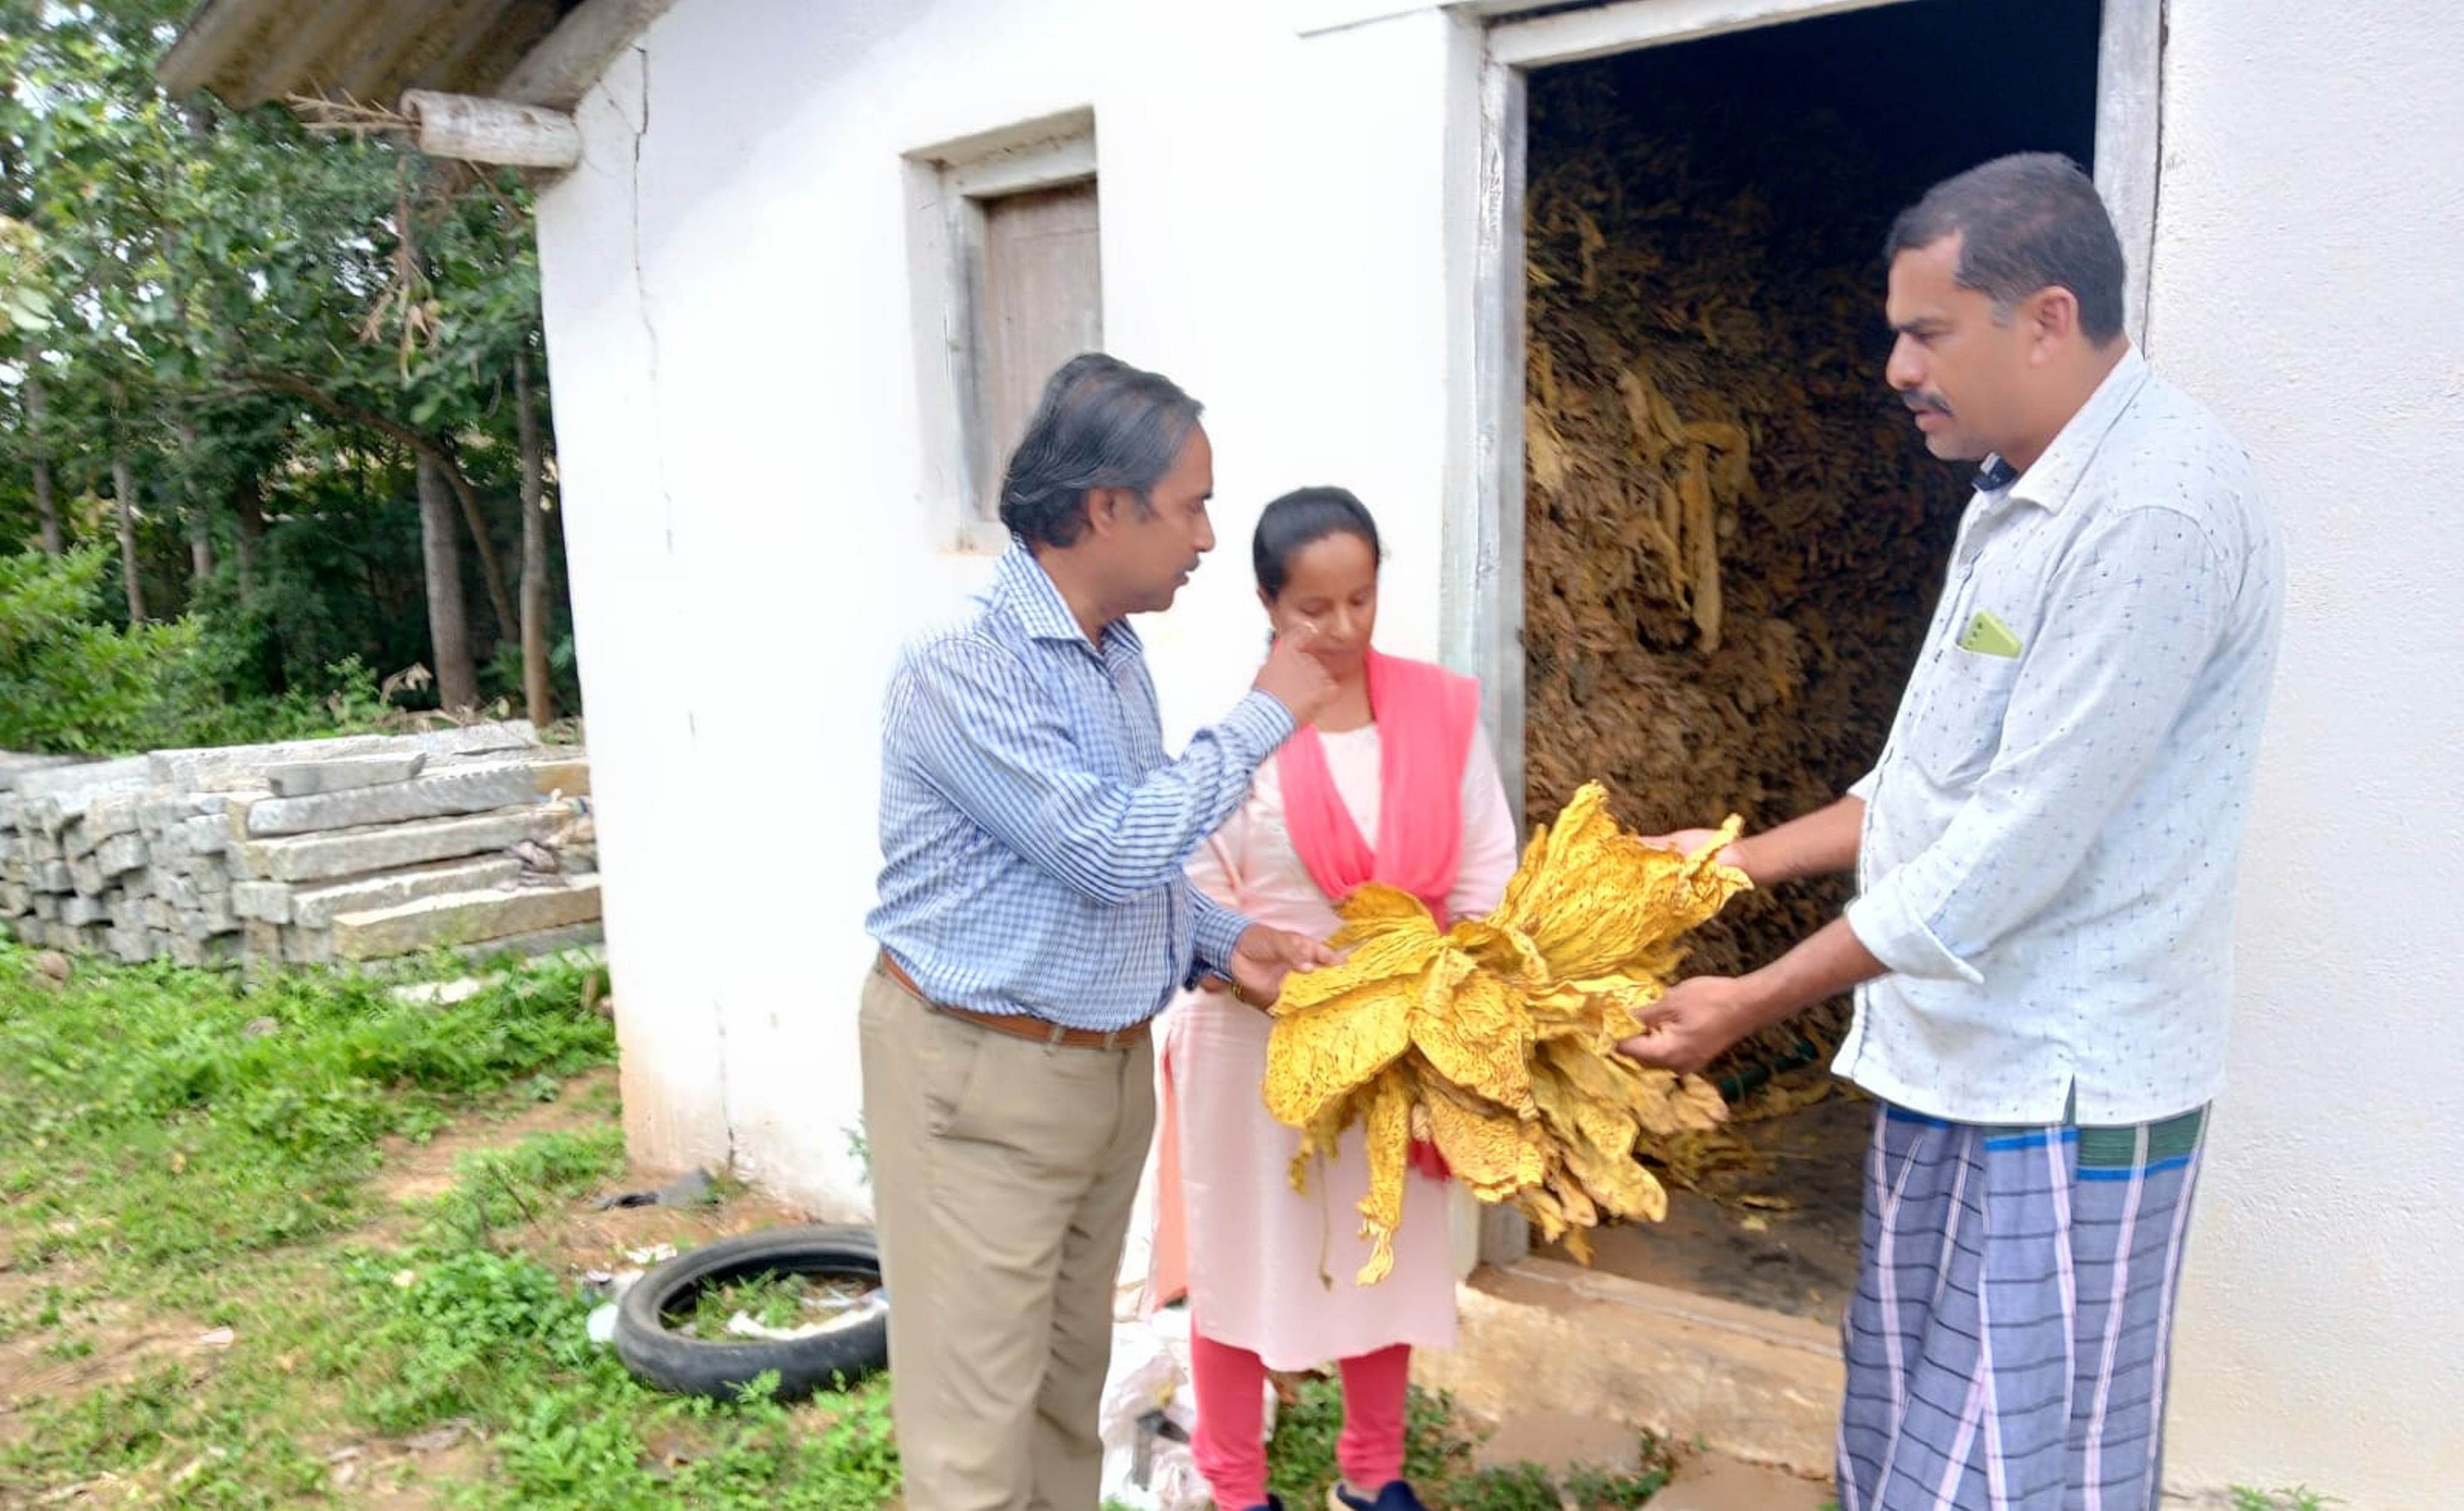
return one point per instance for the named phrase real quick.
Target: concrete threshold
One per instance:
(1541, 1336)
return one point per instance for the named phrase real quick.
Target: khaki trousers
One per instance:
(1003, 1174)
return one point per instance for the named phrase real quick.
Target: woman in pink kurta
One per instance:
(1395, 782)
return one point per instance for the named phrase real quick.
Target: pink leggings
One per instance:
(1230, 1444)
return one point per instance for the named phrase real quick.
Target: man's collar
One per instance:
(1031, 594)
(2055, 474)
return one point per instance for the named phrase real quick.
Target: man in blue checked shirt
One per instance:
(1033, 917)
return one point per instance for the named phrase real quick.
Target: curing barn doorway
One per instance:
(1730, 537)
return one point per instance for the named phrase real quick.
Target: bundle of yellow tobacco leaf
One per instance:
(1497, 1038)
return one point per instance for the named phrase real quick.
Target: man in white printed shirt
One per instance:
(2045, 854)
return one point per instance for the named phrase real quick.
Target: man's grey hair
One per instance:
(2027, 222)
(1100, 423)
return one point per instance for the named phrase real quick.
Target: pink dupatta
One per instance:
(1425, 715)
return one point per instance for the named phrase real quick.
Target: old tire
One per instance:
(674, 1361)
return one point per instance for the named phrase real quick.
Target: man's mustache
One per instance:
(1919, 403)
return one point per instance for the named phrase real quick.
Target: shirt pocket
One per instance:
(1961, 729)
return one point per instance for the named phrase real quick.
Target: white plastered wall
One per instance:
(2308, 285)
(728, 305)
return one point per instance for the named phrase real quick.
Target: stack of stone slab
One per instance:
(309, 852)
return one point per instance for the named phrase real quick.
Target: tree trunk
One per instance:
(448, 629)
(201, 533)
(491, 576)
(248, 510)
(46, 507)
(124, 489)
(537, 694)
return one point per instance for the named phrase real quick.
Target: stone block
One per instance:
(207, 833)
(262, 901)
(107, 817)
(15, 767)
(359, 852)
(307, 947)
(91, 938)
(87, 909)
(53, 876)
(46, 907)
(122, 853)
(134, 946)
(222, 768)
(61, 792)
(88, 877)
(180, 891)
(318, 906)
(263, 941)
(210, 875)
(161, 915)
(216, 918)
(43, 848)
(347, 774)
(121, 811)
(16, 899)
(219, 950)
(574, 940)
(139, 883)
(463, 919)
(471, 789)
(564, 776)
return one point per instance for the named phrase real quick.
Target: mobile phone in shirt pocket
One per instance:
(1962, 727)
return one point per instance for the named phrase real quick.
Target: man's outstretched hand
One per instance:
(1265, 956)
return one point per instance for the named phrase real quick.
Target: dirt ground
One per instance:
(413, 1473)
(1784, 1237)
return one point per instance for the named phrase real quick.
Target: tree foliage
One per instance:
(265, 328)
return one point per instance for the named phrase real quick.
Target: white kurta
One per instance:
(1268, 1268)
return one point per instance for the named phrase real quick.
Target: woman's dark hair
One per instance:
(1302, 518)
(1100, 423)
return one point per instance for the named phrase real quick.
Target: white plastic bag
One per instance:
(1149, 1414)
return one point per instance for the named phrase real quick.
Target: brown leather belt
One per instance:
(1020, 1025)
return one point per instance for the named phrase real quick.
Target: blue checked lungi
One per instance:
(2010, 1339)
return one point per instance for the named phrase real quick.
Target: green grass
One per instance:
(178, 1165)
(773, 1300)
(154, 1129)
(1439, 1460)
(2299, 1498)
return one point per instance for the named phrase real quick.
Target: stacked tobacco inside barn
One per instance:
(1731, 532)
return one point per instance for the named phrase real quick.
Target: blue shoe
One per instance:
(1397, 1495)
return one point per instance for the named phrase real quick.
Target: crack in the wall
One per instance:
(2156, 189)
(642, 303)
(667, 505)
